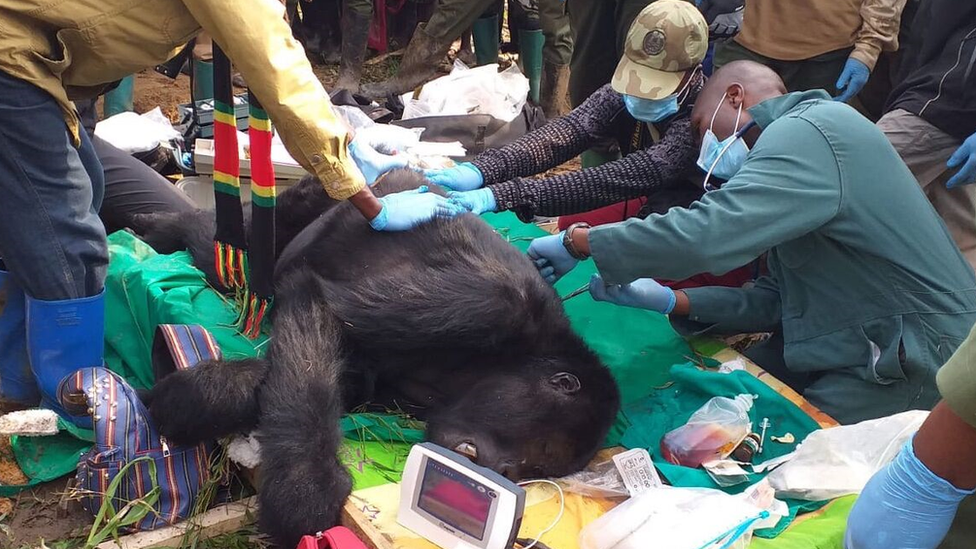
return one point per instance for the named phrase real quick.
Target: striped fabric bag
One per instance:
(124, 432)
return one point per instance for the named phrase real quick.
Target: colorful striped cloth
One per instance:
(243, 267)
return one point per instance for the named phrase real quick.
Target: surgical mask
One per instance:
(651, 110)
(722, 158)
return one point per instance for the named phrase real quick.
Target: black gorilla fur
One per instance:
(448, 322)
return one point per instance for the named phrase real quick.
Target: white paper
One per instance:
(637, 470)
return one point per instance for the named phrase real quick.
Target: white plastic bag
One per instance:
(675, 518)
(599, 480)
(135, 133)
(711, 433)
(481, 90)
(835, 462)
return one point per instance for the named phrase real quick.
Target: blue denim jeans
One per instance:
(51, 238)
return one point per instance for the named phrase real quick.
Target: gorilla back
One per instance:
(449, 322)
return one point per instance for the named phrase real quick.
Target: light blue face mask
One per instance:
(722, 158)
(651, 110)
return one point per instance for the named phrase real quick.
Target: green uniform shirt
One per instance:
(869, 288)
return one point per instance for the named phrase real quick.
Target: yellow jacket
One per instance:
(72, 48)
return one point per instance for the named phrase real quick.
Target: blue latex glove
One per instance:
(405, 210)
(643, 293)
(965, 156)
(852, 79)
(373, 164)
(551, 257)
(463, 177)
(477, 201)
(903, 506)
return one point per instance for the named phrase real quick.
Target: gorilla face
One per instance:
(529, 424)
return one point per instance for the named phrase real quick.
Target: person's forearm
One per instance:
(947, 446)
(367, 203)
(682, 305)
(581, 241)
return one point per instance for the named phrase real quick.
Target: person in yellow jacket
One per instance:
(52, 243)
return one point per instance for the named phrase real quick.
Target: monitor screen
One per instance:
(455, 499)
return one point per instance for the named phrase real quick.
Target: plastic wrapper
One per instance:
(836, 462)
(481, 90)
(135, 133)
(599, 480)
(677, 518)
(711, 433)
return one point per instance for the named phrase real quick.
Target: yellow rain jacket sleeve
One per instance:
(73, 49)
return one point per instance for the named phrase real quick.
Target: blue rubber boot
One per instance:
(17, 386)
(63, 337)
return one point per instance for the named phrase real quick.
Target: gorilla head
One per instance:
(568, 408)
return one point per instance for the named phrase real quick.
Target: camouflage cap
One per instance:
(668, 39)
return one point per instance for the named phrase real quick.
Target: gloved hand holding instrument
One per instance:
(643, 293)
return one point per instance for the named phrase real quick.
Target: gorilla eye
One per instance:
(565, 382)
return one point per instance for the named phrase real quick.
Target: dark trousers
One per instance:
(132, 187)
(820, 72)
(599, 29)
(51, 238)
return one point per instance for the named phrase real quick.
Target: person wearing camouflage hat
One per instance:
(646, 111)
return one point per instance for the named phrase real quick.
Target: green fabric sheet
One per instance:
(824, 530)
(669, 408)
(638, 346)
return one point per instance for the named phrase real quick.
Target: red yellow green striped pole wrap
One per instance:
(262, 245)
(230, 242)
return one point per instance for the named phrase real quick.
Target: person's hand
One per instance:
(551, 257)
(724, 17)
(405, 210)
(903, 505)
(373, 164)
(643, 293)
(854, 76)
(463, 177)
(964, 156)
(477, 201)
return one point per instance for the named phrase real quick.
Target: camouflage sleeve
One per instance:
(640, 173)
(554, 143)
(880, 21)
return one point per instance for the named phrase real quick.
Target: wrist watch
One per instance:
(568, 240)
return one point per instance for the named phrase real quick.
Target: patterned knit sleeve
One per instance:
(640, 173)
(556, 142)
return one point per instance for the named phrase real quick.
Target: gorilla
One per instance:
(448, 322)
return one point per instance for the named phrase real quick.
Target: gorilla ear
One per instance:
(565, 382)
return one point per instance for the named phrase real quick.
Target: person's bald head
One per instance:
(730, 90)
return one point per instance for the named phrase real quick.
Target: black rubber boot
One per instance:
(418, 65)
(355, 35)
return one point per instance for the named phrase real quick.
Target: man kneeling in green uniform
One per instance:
(866, 288)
